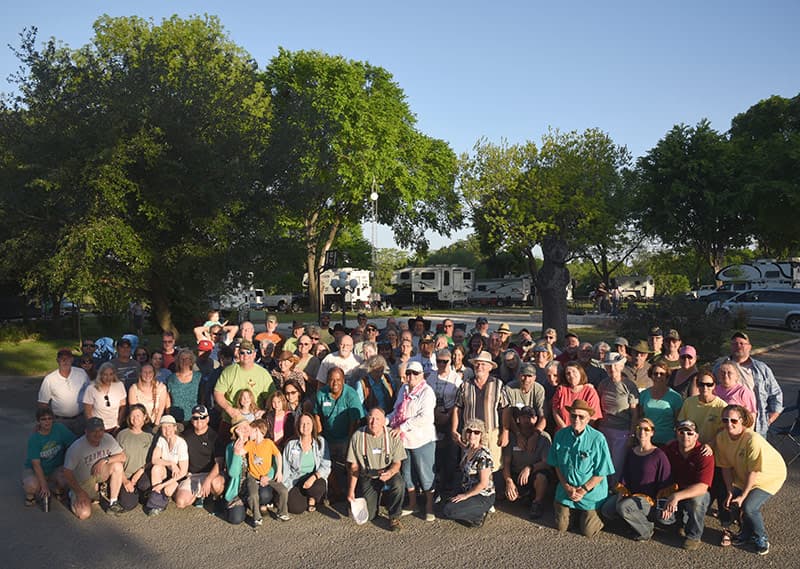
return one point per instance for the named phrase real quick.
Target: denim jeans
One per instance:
(692, 512)
(418, 467)
(752, 520)
(633, 509)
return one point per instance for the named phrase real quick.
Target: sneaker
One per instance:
(492, 510)
(741, 539)
(394, 525)
(690, 544)
(258, 523)
(430, 518)
(29, 501)
(199, 503)
(284, 517)
(406, 512)
(536, 511)
(153, 512)
(761, 545)
(116, 508)
(102, 491)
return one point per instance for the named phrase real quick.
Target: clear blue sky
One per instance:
(507, 69)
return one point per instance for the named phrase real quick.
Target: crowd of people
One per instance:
(433, 420)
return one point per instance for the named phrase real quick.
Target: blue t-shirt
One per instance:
(49, 449)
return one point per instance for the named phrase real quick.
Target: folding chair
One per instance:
(779, 435)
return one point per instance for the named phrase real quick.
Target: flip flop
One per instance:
(312, 505)
(726, 539)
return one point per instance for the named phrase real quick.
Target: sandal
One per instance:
(312, 505)
(29, 501)
(726, 539)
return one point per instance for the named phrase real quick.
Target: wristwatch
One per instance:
(584, 488)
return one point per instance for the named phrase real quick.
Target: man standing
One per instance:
(62, 391)
(343, 359)
(759, 377)
(270, 333)
(528, 394)
(582, 462)
(298, 328)
(337, 411)
(482, 397)
(426, 357)
(638, 367)
(234, 378)
(93, 460)
(571, 344)
(128, 369)
(692, 473)
(374, 458)
(168, 347)
(205, 455)
(307, 363)
(445, 383)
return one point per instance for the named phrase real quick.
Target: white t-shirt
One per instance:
(81, 455)
(108, 411)
(64, 394)
(347, 365)
(179, 452)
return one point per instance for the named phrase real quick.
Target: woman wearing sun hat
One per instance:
(170, 462)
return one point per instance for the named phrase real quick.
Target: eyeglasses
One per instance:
(687, 356)
(730, 420)
(472, 432)
(442, 361)
(575, 416)
(687, 432)
(89, 346)
(315, 338)
(708, 385)
(86, 362)
(291, 392)
(199, 417)
(643, 429)
(659, 374)
(246, 352)
(108, 401)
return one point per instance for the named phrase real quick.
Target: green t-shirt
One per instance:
(49, 449)
(234, 378)
(136, 447)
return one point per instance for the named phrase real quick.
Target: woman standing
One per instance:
(575, 385)
(183, 386)
(307, 464)
(150, 394)
(106, 398)
(459, 355)
(619, 400)
(683, 378)
(280, 422)
(731, 389)
(477, 495)
(753, 472)
(660, 404)
(286, 370)
(412, 422)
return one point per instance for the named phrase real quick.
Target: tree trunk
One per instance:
(552, 283)
(161, 306)
(533, 269)
(313, 283)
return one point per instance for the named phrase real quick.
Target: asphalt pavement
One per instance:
(193, 537)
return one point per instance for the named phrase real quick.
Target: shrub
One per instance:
(17, 332)
(708, 334)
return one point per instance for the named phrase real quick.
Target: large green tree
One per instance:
(766, 141)
(560, 196)
(134, 162)
(688, 196)
(342, 129)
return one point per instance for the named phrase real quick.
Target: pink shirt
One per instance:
(564, 396)
(737, 395)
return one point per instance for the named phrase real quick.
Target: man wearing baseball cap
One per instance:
(692, 473)
(205, 456)
(92, 461)
(62, 391)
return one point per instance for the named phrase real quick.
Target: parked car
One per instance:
(766, 307)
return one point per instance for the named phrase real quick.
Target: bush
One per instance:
(708, 334)
(17, 332)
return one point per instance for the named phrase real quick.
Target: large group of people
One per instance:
(633, 433)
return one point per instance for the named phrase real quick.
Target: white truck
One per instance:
(507, 291)
(437, 285)
(252, 298)
(358, 298)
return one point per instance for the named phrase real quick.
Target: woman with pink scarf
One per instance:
(412, 422)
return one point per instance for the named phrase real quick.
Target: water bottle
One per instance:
(46, 503)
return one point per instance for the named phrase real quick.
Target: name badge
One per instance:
(327, 404)
(516, 448)
(377, 451)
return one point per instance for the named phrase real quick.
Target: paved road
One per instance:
(191, 538)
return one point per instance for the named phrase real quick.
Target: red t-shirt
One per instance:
(692, 469)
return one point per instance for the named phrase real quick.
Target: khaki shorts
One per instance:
(193, 482)
(90, 486)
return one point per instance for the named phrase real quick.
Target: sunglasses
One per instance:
(687, 432)
(643, 429)
(86, 362)
(247, 352)
(708, 385)
(199, 417)
(410, 372)
(659, 374)
(291, 392)
(315, 338)
(89, 346)
(108, 401)
(442, 361)
(730, 420)
(579, 417)
(473, 432)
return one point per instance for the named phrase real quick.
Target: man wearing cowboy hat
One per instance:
(482, 397)
(582, 461)
(638, 367)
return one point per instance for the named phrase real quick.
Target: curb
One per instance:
(775, 346)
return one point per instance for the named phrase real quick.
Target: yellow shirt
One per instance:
(259, 457)
(707, 417)
(751, 453)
